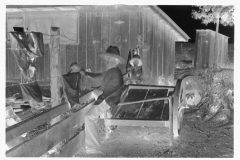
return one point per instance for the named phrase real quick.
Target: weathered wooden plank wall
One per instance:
(125, 28)
(105, 27)
(7, 61)
(89, 41)
(145, 48)
(46, 63)
(211, 56)
(231, 52)
(149, 36)
(172, 56)
(160, 49)
(154, 53)
(204, 46)
(82, 36)
(124, 33)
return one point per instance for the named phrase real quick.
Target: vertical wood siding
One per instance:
(82, 36)
(204, 46)
(127, 30)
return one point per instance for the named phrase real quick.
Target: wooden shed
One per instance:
(204, 47)
(87, 30)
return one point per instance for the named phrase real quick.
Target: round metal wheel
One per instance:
(179, 99)
(180, 120)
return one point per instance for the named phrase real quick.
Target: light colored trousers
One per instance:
(92, 139)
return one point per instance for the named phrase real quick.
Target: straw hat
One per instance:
(113, 52)
(74, 67)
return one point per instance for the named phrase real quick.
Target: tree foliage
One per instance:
(210, 14)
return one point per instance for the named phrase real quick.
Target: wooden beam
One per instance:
(146, 100)
(151, 87)
(124, 122)
(170, 121)
(32, 122)
(74, 145)
(41, 83)
(55, 65)
(51, 137)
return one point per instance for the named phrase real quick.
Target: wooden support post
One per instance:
(171, 120)
(55, 65)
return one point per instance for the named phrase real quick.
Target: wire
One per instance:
(59, 35)
(62, 35)
(18, 83)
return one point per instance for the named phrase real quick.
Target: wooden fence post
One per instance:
(55, 65)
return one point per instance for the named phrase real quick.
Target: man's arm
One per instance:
(96, 77)
(93, 75)
(90, 74)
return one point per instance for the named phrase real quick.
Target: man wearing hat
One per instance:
(112, 81)
(135, 70)
(72, 85)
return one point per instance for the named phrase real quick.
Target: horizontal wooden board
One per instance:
(74, 145)
(123, 122)
(152, 87)
(145, 100)
(51, 137)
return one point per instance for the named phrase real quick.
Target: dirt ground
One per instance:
(195, 141)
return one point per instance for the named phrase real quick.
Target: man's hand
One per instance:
(83, 72)
(97, 92)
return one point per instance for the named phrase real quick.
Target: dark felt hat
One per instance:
(113, 52)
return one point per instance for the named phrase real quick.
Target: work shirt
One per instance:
(112, 80)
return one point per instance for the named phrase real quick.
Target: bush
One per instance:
(217, 101)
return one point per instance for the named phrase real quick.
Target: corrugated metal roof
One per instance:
(31, 8)
(170, 22)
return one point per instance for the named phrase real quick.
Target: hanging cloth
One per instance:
(35, 43)
(31, 91)
(26, 47)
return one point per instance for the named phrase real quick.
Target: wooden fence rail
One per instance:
(62, 130)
